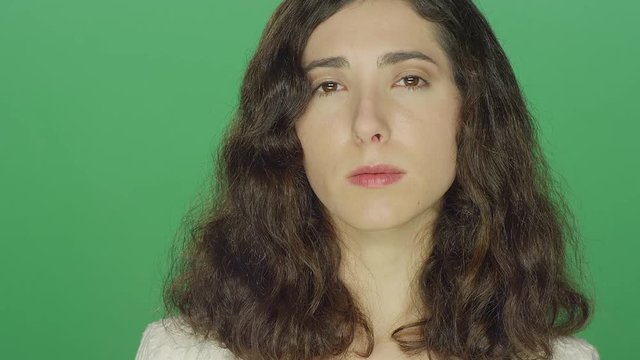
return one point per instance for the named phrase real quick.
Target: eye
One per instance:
(412, 82)
(327, 87)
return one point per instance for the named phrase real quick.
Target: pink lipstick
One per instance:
(375, 176)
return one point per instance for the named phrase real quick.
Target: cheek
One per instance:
(432, 149)
(438, 133)
(439, 148)
(320, 155)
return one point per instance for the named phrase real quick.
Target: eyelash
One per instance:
(410, 88)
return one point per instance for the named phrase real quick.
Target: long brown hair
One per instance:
(259, 269)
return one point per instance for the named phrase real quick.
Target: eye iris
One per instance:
(413, 80)
(328, 86)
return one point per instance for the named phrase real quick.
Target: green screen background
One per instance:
(110, 112)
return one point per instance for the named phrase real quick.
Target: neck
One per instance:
(379, 267)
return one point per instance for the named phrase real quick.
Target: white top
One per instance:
(169, 343)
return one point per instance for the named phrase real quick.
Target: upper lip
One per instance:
(376, 169)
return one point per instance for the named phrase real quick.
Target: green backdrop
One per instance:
(110, 111)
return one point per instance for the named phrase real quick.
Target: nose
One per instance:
(369, 125)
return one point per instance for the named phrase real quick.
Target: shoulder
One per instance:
(170, 339)
(573, 348)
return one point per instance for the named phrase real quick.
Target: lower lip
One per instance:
(375, 180)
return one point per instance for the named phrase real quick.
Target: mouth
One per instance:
(375, 176)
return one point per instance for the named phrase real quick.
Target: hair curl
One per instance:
(259, 269)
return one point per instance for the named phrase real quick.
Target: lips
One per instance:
(375, 176)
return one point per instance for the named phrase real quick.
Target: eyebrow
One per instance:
(387, 59)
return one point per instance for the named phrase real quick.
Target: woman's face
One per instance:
(368, 108)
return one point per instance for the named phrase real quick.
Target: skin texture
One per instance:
(404, 114)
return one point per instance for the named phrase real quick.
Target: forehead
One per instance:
(373, 27)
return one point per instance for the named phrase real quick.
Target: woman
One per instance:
(381, 194)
